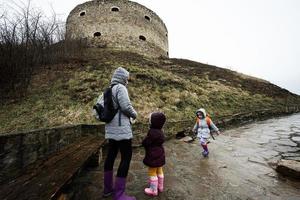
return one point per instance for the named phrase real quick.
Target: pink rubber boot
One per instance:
(152, 190)
(160, 183)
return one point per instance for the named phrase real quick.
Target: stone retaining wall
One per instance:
(240, 118)
(19, 150)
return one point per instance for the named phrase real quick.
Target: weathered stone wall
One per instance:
(119, 24)
(19, 150)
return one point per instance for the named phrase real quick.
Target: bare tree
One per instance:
(28, 40)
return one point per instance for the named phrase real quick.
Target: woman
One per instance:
(119, 135)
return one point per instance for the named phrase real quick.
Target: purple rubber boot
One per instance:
(205, 148)
(119, 192)
(108, 184)
(205, 153)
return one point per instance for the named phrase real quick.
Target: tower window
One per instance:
(97, 34)
(142, 38)
(82, 13)
(115, 9)
(147, 18)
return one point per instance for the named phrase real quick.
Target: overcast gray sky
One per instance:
(260, 38)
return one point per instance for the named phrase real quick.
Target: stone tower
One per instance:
(119, 24)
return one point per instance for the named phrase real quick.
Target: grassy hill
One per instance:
(64, 93)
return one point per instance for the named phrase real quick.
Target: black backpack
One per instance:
(108, 112)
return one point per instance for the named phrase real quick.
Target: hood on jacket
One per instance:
(120, 75)
(158, 120)
(202, 110)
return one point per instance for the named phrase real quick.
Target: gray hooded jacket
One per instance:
(120, 128)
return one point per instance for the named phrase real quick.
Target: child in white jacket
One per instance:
(202, 128)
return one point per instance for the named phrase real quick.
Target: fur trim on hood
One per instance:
(202, 110)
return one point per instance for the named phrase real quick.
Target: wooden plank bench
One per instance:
(46, 179)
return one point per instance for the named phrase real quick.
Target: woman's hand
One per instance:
(132, 121)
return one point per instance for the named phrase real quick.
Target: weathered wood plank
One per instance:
(45, 180)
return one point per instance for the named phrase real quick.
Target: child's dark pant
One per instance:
(126, 153)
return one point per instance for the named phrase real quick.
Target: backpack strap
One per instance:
(116, 97)
(197, 121)
(207, 119)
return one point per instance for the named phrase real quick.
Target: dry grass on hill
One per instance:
(64, 94)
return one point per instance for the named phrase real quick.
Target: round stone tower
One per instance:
(119, 24)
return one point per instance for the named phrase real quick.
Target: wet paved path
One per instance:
(237, 167)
